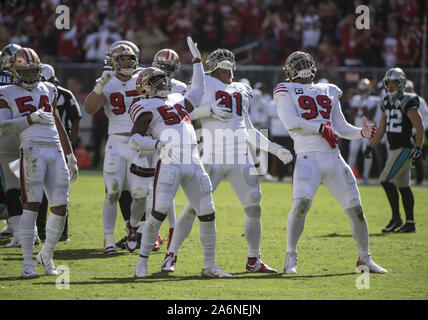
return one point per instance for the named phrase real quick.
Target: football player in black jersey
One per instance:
(400, 113)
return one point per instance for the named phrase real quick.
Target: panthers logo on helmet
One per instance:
(26, 68)
(168, 61)
(153, 82)
(125, 68)
(299, 64)
(6, 53)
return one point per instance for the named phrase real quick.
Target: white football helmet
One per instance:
(299, 64)
(220, 59)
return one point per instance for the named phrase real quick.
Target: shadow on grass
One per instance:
(163, 277)
(336, 235)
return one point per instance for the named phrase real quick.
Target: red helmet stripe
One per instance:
(26, 55)
(32, 57)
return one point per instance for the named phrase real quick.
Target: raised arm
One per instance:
(95, 99)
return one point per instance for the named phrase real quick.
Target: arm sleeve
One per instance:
(289, 117)
(342, 127)
(10, 126)
(255, 135)
(194, 95)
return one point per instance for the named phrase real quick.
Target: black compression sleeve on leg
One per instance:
(393, 197)
(41, 217)
(408, 202)
(125, 204)
(13, 202)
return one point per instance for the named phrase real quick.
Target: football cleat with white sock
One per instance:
(168, 264)
(28, 271)
(141, 268)
(367, 264)
(47, 264)
(257, 265)
(290, 263)
(131, 237)
(215, 272)
(109, 244)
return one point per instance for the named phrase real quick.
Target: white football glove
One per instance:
(368, 130)
(42, 117)
(72, 167)
(168, 153)
(193, 47)
(281, 153)
(219, 112)
(102, 81)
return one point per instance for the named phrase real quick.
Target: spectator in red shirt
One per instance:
(232, 25)
(253, 15)
(407, 48)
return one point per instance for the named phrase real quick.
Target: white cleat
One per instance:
(14, 243)
(215, 272)
(47, 264)
(290, 263)
(366, 264)
(141, 268)
(28, 271)
(168, 264)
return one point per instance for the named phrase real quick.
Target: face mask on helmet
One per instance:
(168, 61)
(153, 82)
(394, 81)
(26, 68)
(122, 59)
(220, 59)
(299, 65)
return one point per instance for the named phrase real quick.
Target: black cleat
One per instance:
(408, 227)
(121, 243)
(393, 225)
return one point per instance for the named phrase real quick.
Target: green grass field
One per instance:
(327, 253)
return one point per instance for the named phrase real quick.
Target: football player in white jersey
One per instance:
(225, 155)
(307, 110)
(362, 105)
(9, 151)
(168, 61)
(28, 107)
(165, 117)
(115, 90)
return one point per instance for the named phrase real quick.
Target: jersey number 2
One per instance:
(322, 106)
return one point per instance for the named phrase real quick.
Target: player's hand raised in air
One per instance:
(193, 47)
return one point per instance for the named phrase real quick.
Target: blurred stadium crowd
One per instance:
(325, 28)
